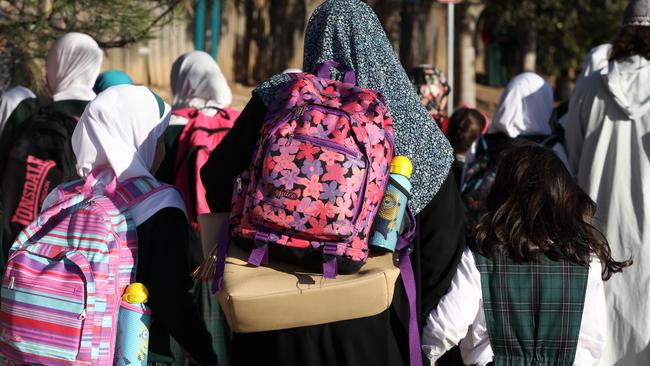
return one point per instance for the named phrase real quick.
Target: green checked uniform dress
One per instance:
(533, 310)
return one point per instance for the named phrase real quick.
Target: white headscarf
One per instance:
(526, 107)
(73, 64)
(197, 81)
(597, 59)
(9, 100)
(120, 129)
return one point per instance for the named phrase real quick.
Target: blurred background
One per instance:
(253, 39)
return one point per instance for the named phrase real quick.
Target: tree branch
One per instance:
(124, 41)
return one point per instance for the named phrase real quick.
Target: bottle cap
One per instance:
(401, 165)
(136, 293)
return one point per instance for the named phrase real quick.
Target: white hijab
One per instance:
(197, 81)
(73, 64)
(597, 59)
(9, 100)
(526, 107)
(120, 128)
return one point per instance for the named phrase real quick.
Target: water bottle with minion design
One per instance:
(133, 320)
(388, 222)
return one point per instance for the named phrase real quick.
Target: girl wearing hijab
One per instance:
(525, 110)
(197, 83)
(200, 91)
(608, 139)
(348, 32)
(123, 129)
(72, 65)
(523, 116)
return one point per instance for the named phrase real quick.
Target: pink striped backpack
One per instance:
(319, 172)
(197, 140)
(66, 274)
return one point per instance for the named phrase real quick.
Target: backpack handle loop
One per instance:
(349, 76)
(94, 176)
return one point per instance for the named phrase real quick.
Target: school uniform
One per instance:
(545, 312)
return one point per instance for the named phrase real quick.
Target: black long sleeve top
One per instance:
(377, 340)
(163, 267)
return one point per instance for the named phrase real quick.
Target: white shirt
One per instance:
(460, 316)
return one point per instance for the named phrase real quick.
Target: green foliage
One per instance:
(28, 27)
(566, 30)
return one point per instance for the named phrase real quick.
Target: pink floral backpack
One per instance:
(319, 172)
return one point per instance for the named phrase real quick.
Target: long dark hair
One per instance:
(535, 207)
(631, 40)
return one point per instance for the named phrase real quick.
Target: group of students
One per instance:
(508, 259)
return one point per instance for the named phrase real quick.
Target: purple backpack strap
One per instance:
(349, 76)
(222, 252)
(408, 277)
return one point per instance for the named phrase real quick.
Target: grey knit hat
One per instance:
(637, 13)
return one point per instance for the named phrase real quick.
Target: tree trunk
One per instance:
(530, 50)
(406, 34)
(466, 74)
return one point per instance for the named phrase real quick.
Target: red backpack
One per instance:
(199, 137)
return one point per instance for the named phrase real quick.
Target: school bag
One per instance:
(319, 172)
(39, 159)
(196, 141)
(312, 190)
(66, 274)
(480, 173)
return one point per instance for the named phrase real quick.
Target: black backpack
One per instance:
(480, 174)
(40, 158)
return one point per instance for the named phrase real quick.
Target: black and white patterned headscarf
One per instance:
(349, 32)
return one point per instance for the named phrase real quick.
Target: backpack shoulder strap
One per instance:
(188, 113)
(137, 190)
(404, 248)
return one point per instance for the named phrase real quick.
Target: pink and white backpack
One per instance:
(66, 274)
(319, 172)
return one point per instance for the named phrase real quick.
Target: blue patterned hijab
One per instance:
(349, 32)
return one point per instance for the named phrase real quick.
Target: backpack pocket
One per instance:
(43, 308)
(309, 187)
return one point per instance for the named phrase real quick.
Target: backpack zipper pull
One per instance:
(299, 111)
(239, 185)
(12, 281)
(82, 316)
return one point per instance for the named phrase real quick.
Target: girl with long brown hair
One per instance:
(531, 289)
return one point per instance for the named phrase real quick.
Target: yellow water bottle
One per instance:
(132, 346)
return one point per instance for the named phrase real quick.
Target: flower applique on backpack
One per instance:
(319, 172)
(66, 274)
(313, 190)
